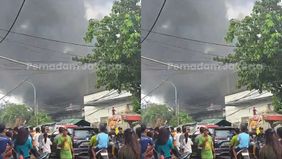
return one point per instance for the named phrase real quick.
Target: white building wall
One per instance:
(235, 114)
(105, 112)
(94, 114)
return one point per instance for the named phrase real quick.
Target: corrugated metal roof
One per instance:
(248, 96)
(71, 121)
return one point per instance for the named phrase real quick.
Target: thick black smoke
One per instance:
(64, 20)
(196, 19)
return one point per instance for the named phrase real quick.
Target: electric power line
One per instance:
(155, 22)
(18, 62)
(14, 22)
(183, 48)
(17, 86)
(155, 88)
(19, 43)
(48, 39)
(190, 39)
(160, 62)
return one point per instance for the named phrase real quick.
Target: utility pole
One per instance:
(175, 100)
(35, 106)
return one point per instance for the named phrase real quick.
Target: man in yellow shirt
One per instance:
(93, 142)
(234, 142)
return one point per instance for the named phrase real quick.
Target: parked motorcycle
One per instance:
(243, 154)
(102, 154)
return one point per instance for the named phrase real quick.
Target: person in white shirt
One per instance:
(187, 143)
(176, 138)
(46, 144)
(36, 139)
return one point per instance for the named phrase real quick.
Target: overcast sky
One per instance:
(64, 20)
(202, 20)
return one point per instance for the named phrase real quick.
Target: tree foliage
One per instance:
(15, 114)
(160, 115)
(183, 118)
(258, 51)
(41, 118)
(117, 51)
(18, 114)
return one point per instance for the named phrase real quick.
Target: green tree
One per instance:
(117, 51)
(14, 114)
(157, 115)
(41, 118)
(18, 114)
(183, 119)
(258, 51)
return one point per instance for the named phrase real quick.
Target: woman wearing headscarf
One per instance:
(164, 143)
(23, 143)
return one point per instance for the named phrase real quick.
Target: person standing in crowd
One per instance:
(172, 134)
(272, 148)
(119, 141)
(171, 137)
(31, 132)
(164, 143)
(156, 133)
(187, 142)
(46, 148)
(131, 148)
(279, 133)
(36, 139)
(259, 141)
(5, 142)
(206, 143)
(150, 134)
(138, 132)
(102, 140)
(177, 139)
(23, 143)
(58, 148)
(41, 137)
(199, 148)
(145, 141)
(181, 139)
(65, 142)
(112, 134)
(15, 133)
(234, 142)
(120, 136)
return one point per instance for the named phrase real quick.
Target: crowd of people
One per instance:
(142, 143)
(24, 143)
(139, 143)
(264, 144)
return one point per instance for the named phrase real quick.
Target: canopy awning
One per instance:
(78, 122)
(131, 117)
(270, 117)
